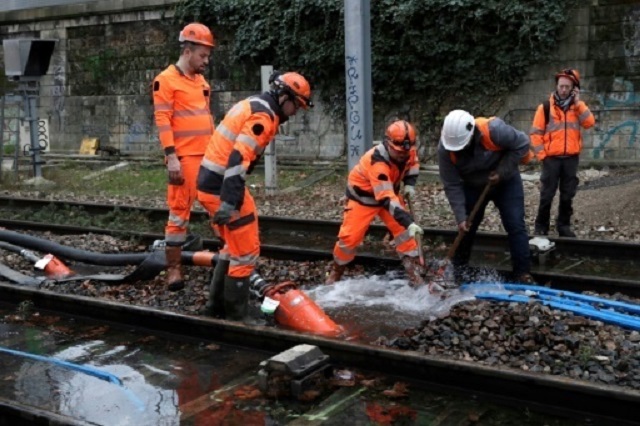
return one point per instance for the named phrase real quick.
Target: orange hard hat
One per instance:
(296, 85)
(197, 33)
(571, 74)
(401, 135)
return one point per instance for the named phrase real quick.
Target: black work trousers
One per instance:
(557, 172)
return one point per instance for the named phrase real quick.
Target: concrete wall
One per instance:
(107, 54)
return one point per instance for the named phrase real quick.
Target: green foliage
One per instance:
(427, 54)
(98, 68)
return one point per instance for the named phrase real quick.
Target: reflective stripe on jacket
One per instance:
(238, 141)
(375, 181)
(561, 135)
(494, 146)
(182, 112)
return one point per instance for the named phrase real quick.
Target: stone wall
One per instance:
(602, 41)
(107, 54)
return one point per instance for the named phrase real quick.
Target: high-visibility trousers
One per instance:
(356, 221)
(211, 203)
(180, 199)
(240, 235)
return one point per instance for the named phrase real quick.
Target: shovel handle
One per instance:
(472, 215)
(418, 236)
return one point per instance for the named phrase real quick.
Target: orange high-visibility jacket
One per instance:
(182, 113)
(237, 143)
(375, 181)
(561, 135)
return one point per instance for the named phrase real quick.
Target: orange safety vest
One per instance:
(365, 183)
(561, 135)
(182, 112)
(482, 124)
(247, 128)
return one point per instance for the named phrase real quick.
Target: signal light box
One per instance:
(27, 59)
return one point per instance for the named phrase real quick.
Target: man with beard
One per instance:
(181, 98)
(557, 141)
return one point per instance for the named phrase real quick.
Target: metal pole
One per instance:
(357, 32)
(32, 118)
(270, 166)
(2, 104)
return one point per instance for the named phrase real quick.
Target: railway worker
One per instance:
(557, 141)
(474, 153)
(235, 147)
(181, 99)
(372, 190)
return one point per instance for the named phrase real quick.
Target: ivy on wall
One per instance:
(427, 55)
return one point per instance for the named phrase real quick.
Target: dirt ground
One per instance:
(607, 205)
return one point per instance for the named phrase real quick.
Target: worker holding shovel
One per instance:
(478, 160)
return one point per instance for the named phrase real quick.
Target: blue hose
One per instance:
(91, 371)
(613, 304)
(610, 311)
(102, 375)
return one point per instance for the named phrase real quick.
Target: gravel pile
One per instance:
(529, 337)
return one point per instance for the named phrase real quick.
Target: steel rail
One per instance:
(485, 240)
(603, 404)
(560, 281)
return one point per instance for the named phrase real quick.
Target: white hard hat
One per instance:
(457, 130)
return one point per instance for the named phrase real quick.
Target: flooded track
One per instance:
(371, 310)
(180, 369)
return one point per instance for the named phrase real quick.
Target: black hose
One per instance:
(35, 243)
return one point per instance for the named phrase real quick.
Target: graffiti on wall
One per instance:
(139, 138)
(57, 91)
(623, 96)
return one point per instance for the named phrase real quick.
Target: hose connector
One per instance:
(258, 285)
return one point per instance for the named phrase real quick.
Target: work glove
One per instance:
(414, 229)
(224, 213)
(494, 178)
(410, 191)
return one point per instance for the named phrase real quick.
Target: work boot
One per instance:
(173, 255)
(539, 230)
(565, 231)
(526, 278)
(236, 298)
(215, 304)
(336, 273)
(413, 270)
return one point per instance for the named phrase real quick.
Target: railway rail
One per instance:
(607, 281)
(592, 403)
(307, 229)
(601, 404)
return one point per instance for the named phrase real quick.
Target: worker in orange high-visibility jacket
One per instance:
(237, 144)
(556, 139)
(372, 190)
(181, 99)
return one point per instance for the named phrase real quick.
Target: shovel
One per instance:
(461, 233)
(433, 286)
(418, 236)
